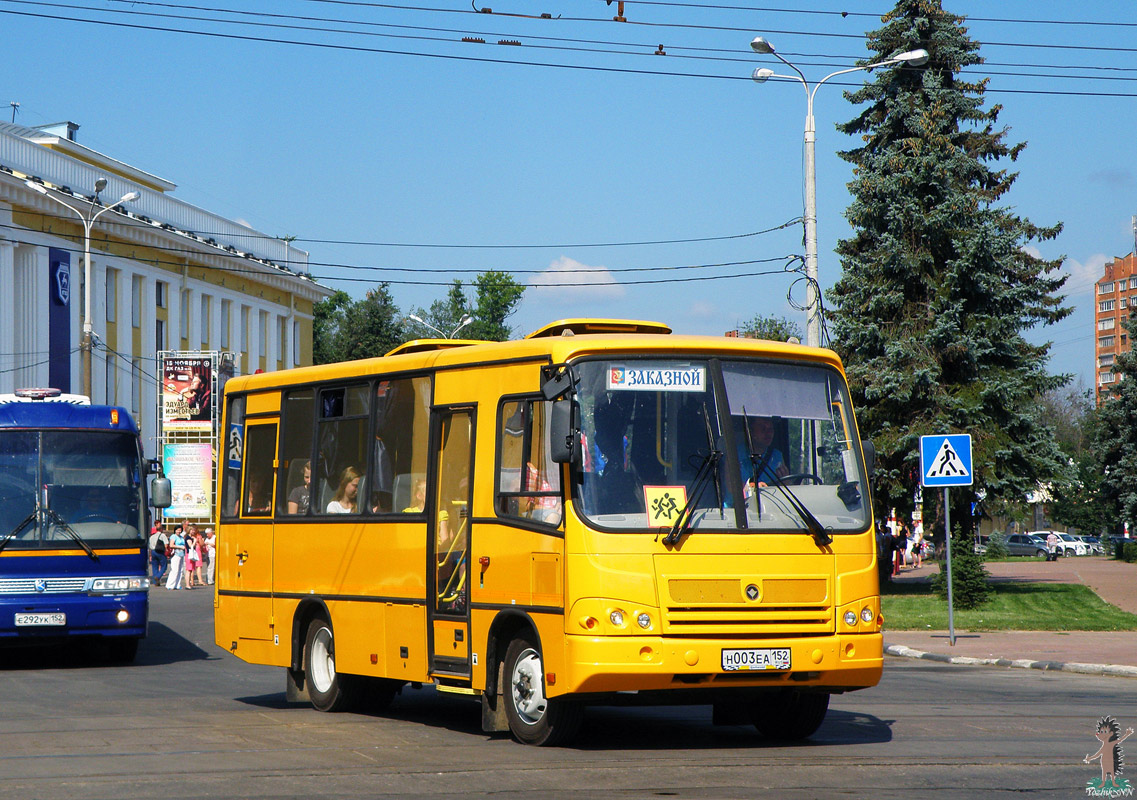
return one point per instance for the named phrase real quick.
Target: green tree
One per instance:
(1076, 498)
(938, 286)
(327, 321)
(372, 326)
(1115, 443)
(444, 315)
(776, 329)
(495, 301)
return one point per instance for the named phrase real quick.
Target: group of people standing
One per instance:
(906, 544)
(182, 555)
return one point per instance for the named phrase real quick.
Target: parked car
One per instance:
(1093, 545)
(1068, 543)
(1023, 544)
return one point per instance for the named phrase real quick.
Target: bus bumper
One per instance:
(83, 615)
(597, 664)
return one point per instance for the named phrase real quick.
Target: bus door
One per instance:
(250, 553)
(448, 548)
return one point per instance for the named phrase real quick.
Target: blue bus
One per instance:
(74, 557)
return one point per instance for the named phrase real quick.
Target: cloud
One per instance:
(1113, 178)
(1084, 274)
(588, 283)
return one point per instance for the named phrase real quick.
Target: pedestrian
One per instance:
(1052, 547)
(159, 541)
(193, 556)
(210, 541)
(918, 546)
(899, 545)
(177, 558)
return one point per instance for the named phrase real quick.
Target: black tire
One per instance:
(534, 718)
(789, 715)
(328, 689)
(1042, 554)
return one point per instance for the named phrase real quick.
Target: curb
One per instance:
(1114, 670)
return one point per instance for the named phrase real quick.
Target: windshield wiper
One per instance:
(812, 523)
(61, 523)
(707, 469)
(16, 530)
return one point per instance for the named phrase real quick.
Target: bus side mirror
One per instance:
(161, 493)
(869, 450)
(564, 433)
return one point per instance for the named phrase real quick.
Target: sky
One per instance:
(623, 169)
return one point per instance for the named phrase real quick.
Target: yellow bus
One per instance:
(600, 512)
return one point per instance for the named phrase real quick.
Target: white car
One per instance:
(1068, 544)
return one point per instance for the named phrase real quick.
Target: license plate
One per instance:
(39, 620)
(756, 659)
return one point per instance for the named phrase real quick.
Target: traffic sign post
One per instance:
(945, 460)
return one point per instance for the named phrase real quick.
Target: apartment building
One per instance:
(1114, 294)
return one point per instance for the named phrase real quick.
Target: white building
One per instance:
(166, 276)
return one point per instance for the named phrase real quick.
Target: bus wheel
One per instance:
(789, 714)
(534, 718)
(327, 689)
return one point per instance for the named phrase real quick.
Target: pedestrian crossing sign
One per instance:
(945, 460)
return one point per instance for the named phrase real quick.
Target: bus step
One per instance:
(452, 689)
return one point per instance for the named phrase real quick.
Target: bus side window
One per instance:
(529, 482)
(260, 448)
(399, 449)
(234, 454)
(298, 418)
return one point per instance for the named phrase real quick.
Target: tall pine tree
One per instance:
(937, 286)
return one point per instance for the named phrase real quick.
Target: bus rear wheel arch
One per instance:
(534, 718)
(328, 689)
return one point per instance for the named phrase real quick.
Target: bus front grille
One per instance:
(41, 585)
(759, 621)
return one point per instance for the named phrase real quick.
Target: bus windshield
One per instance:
(56, 486)
(748, 445)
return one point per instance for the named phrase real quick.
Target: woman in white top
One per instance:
(345, 500)
(211, 555)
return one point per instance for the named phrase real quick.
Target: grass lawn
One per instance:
(1013, 607)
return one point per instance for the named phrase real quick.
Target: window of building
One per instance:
(1107, 377)
(136, 301)
(1105, 288)
(135, 386)
(1107, 324)
(1106, 360)
(528, 481)
(112, 295)
(226, 314)
(282, 339)
(244, 329)
(160, 334)
(160, 289)
(183, 326)
(1106, 305)
(1106, 341)
(112, 380)
(1124, 303)
(205, 320)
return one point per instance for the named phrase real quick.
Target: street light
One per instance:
(88, 221)
(466, 320)
(813, 293)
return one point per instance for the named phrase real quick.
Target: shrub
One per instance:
(997, 546)
(1129, 551)
(970, 588)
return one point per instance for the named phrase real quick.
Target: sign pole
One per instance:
(947, 542)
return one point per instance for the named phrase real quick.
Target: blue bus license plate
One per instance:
(755, 658)
(40, 620)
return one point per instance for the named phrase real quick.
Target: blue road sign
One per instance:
(945, 460)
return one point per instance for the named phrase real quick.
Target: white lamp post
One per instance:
(813, 292)
(466, 320)
(88, 221)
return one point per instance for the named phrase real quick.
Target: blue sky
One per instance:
(396, 132)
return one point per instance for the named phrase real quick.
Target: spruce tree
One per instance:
(937, 286)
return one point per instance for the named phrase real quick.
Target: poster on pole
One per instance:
(187, 393)
(190, 470)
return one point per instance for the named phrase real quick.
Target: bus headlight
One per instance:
(851, 619)
(867, 615)
(643, 619)
(617, 618)
(123, 615)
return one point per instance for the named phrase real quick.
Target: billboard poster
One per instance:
(190, 470)
(187, 394)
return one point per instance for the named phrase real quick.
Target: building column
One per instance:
(7, 317)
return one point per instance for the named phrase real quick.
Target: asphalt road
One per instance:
(188, 720)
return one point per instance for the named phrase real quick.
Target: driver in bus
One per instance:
(767, 459)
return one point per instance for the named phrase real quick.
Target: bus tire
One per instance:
(789, 715)
(328, 690)
(534, 718)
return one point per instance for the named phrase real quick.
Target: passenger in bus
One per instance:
(258, 501)
(619, 488)
(345, 500)
(418, 498)
(765, 459)
(300, 496)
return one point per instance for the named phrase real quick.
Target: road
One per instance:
(188, 720)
